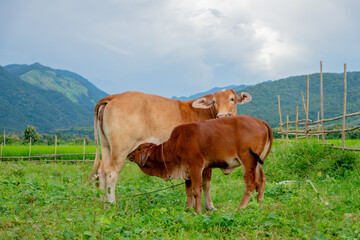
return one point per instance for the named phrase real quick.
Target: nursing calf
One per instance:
(224, 143)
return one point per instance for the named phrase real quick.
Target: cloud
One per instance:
(181, 47)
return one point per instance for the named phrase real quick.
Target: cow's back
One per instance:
(221, 138)
(140, 117)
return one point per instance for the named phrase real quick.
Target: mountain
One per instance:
(264, 104)
(45, 98)
(73, 86)
(213, 90)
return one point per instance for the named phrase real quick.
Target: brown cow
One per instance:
(224, 143)
(129, 119)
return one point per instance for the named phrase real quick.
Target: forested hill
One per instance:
(264, 104)
(48, 99)
(73, 86)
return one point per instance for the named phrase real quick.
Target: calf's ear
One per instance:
(203, 103)
(144, 156)
(243, 97)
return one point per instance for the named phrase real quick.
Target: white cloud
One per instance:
(181, 46)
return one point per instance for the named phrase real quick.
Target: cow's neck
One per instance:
(190, 114)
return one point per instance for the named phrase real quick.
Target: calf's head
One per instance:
(141, 153)
(224, 102)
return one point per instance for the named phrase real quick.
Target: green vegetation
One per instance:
(264, 104)
(13, 150)
(45, 98)
(51, 201)
(76, 88)
(23, 104)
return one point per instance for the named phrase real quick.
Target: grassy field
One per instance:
(15, 150)
(51, 201)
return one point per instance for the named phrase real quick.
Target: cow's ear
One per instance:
(203, 103)
(243, 97)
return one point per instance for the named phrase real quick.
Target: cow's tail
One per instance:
(268, 144)
(96, 124)
(260, 159)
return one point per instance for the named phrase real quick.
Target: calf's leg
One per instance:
(249, 178)
(196, 182)
(260, 182)
(206, 187)
(189, 194)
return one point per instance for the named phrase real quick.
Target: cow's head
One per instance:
(141, 153)
(223, 102)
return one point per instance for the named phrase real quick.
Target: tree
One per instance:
(30, 132)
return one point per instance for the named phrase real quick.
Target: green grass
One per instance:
(40, 201)
(15, 150)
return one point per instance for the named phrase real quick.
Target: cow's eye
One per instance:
(232, 99)
(138, 149)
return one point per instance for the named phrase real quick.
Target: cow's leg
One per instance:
(196, 182)
(260, 182)
(105, 159)
(249, 166)
(206, 187)
(189, 193)
(112, 171)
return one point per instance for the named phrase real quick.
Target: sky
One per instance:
(179, 48)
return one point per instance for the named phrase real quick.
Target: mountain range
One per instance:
(45, 98)
(213, 90)
(264, 104)
(49, 99)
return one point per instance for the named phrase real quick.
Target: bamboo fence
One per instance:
(308, 129)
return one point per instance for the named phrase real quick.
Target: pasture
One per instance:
(51, 201)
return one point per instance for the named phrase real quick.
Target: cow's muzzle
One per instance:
(223, 115)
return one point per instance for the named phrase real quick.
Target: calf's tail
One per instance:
(257, 158)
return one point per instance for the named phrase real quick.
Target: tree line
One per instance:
(63, 137)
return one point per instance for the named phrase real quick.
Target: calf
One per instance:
(224, 143)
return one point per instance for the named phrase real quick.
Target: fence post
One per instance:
(344, 115)
(322, 104)
(287, 128)
(318, 127)
(281, 129)
(84, 151)
(302, 95)
(307, 108)
(29, 148)
(296, 123)
(55, 145)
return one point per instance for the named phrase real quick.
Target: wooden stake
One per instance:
(307, 107)
(84, 150)
(287, 127)
(55, 145)
(322, 103)
(296, 124)
(281, 129)
(302, 95)
(30, 149)
(344, 115)
(318, 127)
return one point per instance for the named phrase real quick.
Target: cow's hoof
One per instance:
(212, 209)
